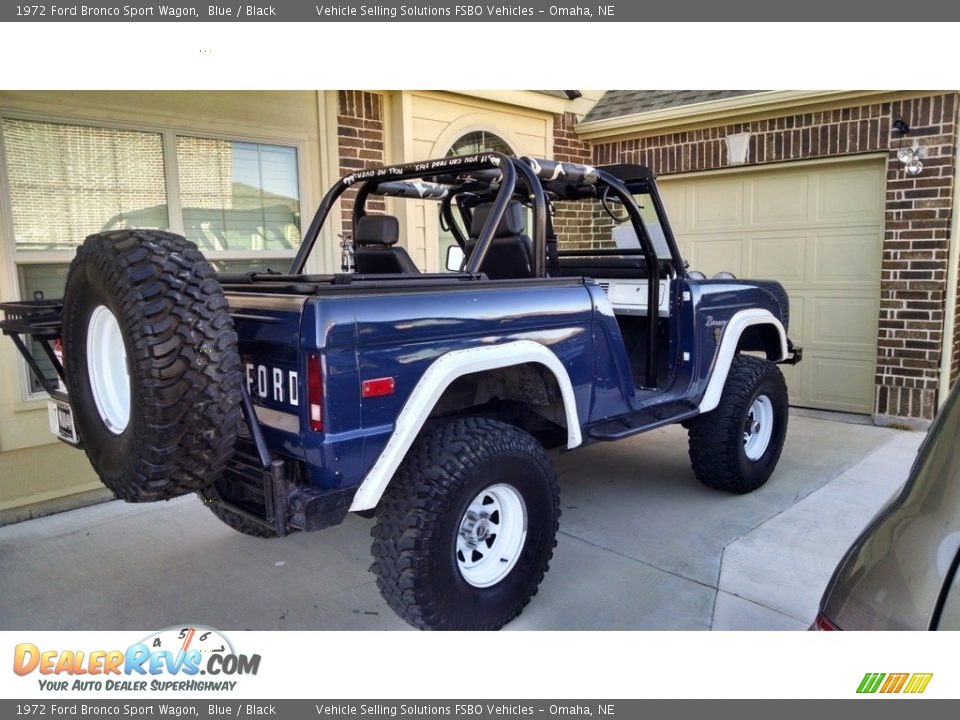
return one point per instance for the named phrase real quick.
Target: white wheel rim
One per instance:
(759, 428)
(491, 535)
(107, 369)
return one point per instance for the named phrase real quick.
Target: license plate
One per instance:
(61, 421)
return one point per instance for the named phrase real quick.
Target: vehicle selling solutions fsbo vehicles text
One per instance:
(423, 11)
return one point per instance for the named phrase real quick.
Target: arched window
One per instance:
(474, 142)
(479, 141)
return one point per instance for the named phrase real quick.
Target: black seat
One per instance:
(374, 247)
(511, 253)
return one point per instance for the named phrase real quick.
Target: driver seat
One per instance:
(511, 253)
(375, 247)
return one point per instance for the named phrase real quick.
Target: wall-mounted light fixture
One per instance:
(909, 156)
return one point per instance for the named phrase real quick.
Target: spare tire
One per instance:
(151, 361)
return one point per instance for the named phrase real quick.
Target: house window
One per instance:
(239, 197)
(68, 181)
(238, 201)
(477, 142)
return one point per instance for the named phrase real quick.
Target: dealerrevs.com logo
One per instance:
(173, 659)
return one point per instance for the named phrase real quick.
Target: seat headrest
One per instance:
(510, 224)
(377, 230)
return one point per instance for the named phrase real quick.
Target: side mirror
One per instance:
(454, 258)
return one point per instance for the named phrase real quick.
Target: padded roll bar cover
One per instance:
(552, 170)
(377, 230)
(512, 222)
(416, 190)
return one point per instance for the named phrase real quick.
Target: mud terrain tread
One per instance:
(186, 377)
(415, 502)
(715, 438)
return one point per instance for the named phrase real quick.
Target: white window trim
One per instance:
(168, 135)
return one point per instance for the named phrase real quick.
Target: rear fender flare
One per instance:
(430, 388)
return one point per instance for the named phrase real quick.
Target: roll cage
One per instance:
(467, 181)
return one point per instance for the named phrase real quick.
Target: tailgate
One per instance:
(268, 328)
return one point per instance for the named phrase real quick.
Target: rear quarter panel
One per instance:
(369, 336)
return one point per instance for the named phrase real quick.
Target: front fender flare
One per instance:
(728, 348)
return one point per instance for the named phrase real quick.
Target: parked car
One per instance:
(901, 573)
(428, 399)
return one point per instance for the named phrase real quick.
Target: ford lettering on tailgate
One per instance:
(273, 385)
(270, 375)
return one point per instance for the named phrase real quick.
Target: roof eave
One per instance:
(681, 116)
(536, 100)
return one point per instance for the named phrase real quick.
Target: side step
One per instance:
(643, 420)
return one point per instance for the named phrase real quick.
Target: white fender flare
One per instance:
(728, 348)
(432, 385)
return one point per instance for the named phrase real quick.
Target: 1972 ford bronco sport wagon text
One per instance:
(286, 400)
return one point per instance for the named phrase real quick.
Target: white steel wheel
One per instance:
(107, 369)
(491, 535)
(759, 428)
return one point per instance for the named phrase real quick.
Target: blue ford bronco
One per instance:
(286, 400)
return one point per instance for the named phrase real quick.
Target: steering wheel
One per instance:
(609, 210)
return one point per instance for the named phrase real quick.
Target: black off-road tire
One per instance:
(235, 521)
(181, 359)
(716, 438)
(419, 516)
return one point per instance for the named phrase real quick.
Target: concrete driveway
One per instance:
(642, 546)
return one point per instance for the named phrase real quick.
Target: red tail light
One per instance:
(315, 392)
(822, 623)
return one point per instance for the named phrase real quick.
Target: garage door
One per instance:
(817, 229)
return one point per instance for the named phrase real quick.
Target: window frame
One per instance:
(14, 259)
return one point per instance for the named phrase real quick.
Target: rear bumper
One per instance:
(274, 497)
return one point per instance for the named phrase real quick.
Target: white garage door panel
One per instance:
(818, 229)
(848, 257)
(850, 323)
(840, 383)
(851, 196)
(780, 201)
(783, 258)
(718, 205)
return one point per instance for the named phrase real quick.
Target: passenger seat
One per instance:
(511, 253)
(375, 247)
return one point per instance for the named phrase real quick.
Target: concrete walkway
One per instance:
(643, 546)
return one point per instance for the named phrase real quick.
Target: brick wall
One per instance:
(567, 145)
(360, 142)
(580, 225)
(916, 225)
